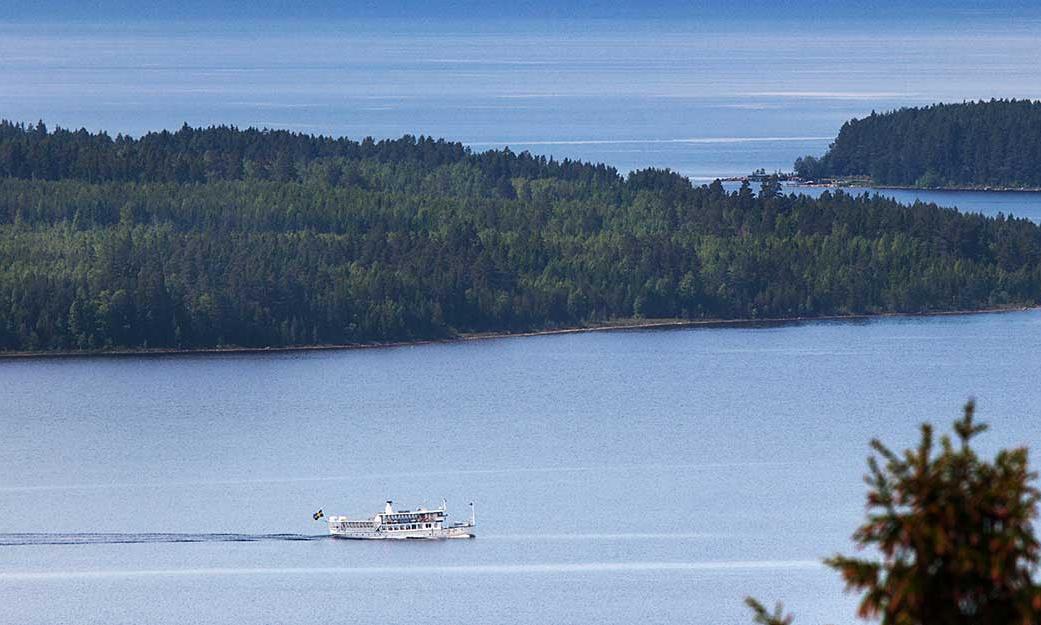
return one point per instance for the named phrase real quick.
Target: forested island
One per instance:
(214, 237)
(995, 144)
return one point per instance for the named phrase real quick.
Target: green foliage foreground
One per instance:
(226, 237)
(953, 535)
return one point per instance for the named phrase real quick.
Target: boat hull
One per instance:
(445, 533)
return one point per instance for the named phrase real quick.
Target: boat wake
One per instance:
(13, 540)
(366, 572)
(94, 538)
(609, 537)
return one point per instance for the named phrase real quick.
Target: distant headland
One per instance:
(992, 146)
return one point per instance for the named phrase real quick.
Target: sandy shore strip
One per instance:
(613, 326)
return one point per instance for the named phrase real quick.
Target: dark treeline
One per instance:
(295, 240)
(227, 153)
(996, 143)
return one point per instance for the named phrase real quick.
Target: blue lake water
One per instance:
(709, 98)
(657, 476)
(1021, 204)
(626, 477)
(704, 97)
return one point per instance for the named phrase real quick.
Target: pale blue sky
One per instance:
(115, 10)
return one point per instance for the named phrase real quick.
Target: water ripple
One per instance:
(12, 540)
(478, 569)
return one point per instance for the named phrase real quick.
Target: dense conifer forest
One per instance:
(974, 144)
(226, 237)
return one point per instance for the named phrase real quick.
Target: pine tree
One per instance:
(955, 534)
(764, 617)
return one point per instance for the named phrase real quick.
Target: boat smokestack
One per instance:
(389, 509)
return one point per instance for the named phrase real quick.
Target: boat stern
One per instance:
(460, 531)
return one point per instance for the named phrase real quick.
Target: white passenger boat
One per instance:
(401, 524)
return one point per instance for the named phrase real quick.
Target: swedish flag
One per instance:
(318, 515)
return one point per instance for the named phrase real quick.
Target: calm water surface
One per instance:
(708, 98)
(654, 476)
(619, 478)
(1021, 204)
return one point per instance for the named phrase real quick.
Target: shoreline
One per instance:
(617, 326)
(867, 183)
(982, 189)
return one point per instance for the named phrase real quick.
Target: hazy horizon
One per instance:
(555, 9)
(706, 98)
